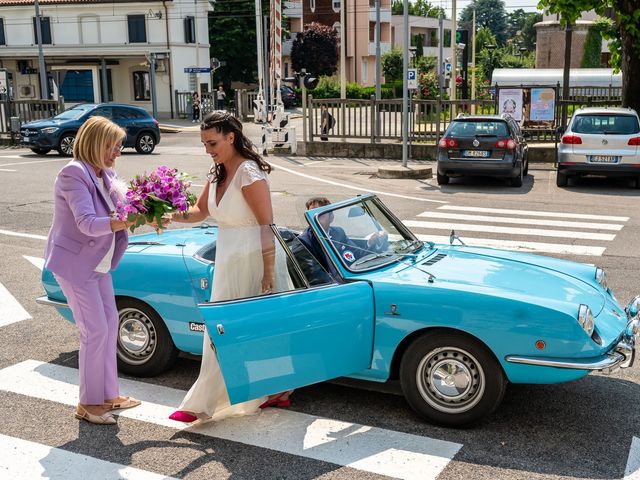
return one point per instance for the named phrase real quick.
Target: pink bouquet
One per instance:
(148, 197)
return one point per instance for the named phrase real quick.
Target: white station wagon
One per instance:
(600, 141)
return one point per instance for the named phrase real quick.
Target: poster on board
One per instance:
(510, 102)
(3, 83)
(542, 104)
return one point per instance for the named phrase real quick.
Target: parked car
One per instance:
(454, 323)
(483, 145)
(600, 141)
(59, 132)
(288, 96)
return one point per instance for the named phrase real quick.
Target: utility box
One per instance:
(15, 124)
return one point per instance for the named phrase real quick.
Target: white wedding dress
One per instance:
(238, 274)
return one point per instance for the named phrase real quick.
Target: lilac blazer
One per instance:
(81, 235)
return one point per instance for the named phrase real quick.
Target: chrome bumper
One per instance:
(44, 300)
(621, 356)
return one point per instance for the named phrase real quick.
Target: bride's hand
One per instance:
(268, 285)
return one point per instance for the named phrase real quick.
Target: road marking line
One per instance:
(36, 161)
(522, 221)
(11, 156)
(353, 187)
(10, 309)
(25, 460)
(536, 232)
(532, 247)
(38, 262)
(632, 472)
(7, 170)
(535, 213)
(26, 235)
(371, 449)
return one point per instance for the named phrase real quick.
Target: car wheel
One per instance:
(517, 181)
(442, 179)
(65, 147)
(145, 347)
(561, 179)
(451, 379)
(526, 167)
(145, 143)
(40, 151)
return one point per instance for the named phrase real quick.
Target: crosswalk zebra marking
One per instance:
(24, 460)
(20, 234)
(530, 232)
(370, 449)
(523, 221)
(37, 262)
(514, 245)
(534, 213)
(10, 309)
(632, 470)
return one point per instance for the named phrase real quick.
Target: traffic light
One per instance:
(310, 82)
(462, 37)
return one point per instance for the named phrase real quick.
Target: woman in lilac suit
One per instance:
(85, 243)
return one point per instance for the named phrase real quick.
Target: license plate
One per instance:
(475, 153)
(26, 139)
(602, 159)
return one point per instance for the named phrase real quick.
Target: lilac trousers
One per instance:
(93, 305)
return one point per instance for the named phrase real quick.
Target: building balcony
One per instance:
(385, 14)
(384, 47)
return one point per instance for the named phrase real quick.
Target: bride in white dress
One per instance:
(246, 264)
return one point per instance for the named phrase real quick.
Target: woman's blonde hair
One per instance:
(95, 138)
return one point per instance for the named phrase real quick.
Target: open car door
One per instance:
(316, 331)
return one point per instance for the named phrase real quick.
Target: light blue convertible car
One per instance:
(454, 323)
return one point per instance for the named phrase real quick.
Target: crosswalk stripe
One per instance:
(38, 262)
(370, 449)
(530, 232)
(534, 213)
(522, 221)
(532, 247)
(632, 470)
(6, 170)
(10, 309)
(25, 460)
(25, 235)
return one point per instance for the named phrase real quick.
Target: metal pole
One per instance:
(304, 109)
(565, 74)
(152, 67)
(343, 50)
(440, 73)
(44, 87)
(196, 17)
(259, 46)
(473, 61)
(378, 70)
(267, 77)
(103, 72)
(454, 60)
(405, 90)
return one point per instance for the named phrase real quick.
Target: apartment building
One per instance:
(427, 28)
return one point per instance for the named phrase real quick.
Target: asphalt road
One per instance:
(579, 430)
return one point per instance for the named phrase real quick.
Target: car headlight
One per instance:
(633, 307)
(585, 319)
(49, 130)
(601, 278)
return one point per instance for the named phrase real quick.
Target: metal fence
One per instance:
(381, 120)
(26, 111)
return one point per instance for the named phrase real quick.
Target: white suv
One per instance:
(600, 141)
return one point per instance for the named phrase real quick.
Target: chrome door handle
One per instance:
(220, 329)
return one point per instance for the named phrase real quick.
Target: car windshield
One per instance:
(366, 236)
(73, 113)
(475, 128)
(606, 124)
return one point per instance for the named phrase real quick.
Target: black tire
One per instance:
(517, 181)
(479, 380)
(526, 166)
(145, 347)
(637, 183)
(145, 143)
(65, 146)
(40, 151)
(561, 179)
(442, 179)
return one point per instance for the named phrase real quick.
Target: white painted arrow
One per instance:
(10, 309)
(632, 472)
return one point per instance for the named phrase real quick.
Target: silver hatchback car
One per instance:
(600, 141)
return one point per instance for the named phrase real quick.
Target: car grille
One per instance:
(29, 132)
(435, 259)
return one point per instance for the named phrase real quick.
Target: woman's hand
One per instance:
(164, 223)
(118, 225)
(268, 284)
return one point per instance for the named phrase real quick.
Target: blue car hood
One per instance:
(504, 273)
(47, 122)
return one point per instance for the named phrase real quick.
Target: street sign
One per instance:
(197, 69)
(412, 78)
(447, 69)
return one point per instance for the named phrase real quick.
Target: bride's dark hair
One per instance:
(226, 123)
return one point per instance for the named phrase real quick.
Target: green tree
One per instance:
(484, 37)
(421, 8)
(624, 33)
(392, 65)
(515, 22)
(316, 50)
(529, 31)
(229, 36)
(490, 14)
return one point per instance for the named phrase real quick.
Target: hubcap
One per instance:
(146, 143)
(136, 337)
(450, 380)
(66, 145)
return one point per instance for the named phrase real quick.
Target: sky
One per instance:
(510, 5)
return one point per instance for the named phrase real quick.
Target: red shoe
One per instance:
(277, 401)
(181, 416)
